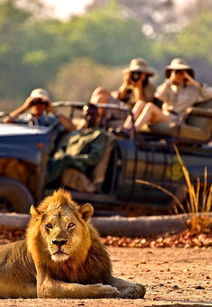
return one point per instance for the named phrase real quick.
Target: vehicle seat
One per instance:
(115, 123)
(99, 171)
(196, 126)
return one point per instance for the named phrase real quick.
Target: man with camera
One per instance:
(41, 112)
(136, 84)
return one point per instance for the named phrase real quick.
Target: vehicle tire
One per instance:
(14, 196)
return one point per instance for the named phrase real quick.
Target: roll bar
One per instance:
(107, 106)
(98, 105)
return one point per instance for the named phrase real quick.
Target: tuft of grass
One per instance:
(199, 202)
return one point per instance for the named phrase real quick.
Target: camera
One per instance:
(179, 71)
(136, 75)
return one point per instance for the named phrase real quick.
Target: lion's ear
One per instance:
(34, 211)
(86, 211)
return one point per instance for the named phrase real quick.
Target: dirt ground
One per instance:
(172, 276)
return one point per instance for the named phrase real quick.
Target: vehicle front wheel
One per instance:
(14, 196)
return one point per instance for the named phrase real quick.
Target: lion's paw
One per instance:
(100, 290)
(110, 291)
(134, 291)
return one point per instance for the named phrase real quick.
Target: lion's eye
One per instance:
(48, 226)
(71, 226)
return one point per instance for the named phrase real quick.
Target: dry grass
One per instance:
(199, 202)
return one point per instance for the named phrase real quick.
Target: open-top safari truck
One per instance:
(148, 155)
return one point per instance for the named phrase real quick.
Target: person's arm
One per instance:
(65, 121)
(23, 108)
(191, 80)
(205, 91)
(163, 90)
(138, 88)
(125, 85)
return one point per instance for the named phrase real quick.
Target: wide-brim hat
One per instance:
(139, 64)
(178, 64)
(39, 93)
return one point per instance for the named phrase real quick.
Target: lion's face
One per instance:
(62, 232)
(63, 228)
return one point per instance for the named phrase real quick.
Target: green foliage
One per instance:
(195, 40)
(35, 49)
(41, 52)
(193, 43)
(12, 21)
(107, 37)
(77, 80)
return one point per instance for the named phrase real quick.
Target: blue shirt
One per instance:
(45, 119)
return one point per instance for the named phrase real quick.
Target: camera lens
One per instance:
(135, 76)
(179, 71)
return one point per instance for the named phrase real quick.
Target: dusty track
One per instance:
(173, 277)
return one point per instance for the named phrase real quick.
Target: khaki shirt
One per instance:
(180, 97)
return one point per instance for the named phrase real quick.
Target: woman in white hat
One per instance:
(136, 86)
(179, 91)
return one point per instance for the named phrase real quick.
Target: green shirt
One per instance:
(85, 146)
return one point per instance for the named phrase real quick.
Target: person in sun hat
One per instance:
(143, 89)
(179, 91)
(136, 77)
(39, 112)
(136, 86)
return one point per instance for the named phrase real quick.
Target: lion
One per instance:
(61, 257)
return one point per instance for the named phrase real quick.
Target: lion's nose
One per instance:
(59, 242)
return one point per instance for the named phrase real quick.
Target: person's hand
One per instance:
(137, 84)
(50, 108)
(189, 79)
(127, 77)
(170, 108)
(7, 120)
(173, 76)
(28, 103)
(138, 88)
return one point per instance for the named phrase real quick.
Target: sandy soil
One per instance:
(172, 276)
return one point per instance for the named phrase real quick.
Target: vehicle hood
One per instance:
(13, 129)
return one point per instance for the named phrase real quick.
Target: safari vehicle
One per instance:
(148, 155)
(24, 152)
